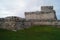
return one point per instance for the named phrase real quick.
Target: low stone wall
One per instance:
(46, 23)
(11, 25)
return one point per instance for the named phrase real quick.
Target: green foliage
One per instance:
(33, 33)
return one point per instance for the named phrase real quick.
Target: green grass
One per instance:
(33, 33)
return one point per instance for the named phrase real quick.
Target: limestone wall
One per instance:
(46, 23)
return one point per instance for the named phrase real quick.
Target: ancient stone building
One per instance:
(46, 13)
(47, 16)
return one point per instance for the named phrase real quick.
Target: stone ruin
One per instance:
(47, 16)
(12, 23)
(46, 13)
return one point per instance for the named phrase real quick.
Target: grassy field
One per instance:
(33, 33)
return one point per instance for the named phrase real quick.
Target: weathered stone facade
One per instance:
(46, 13)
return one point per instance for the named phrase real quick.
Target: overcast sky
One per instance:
(18, 7)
